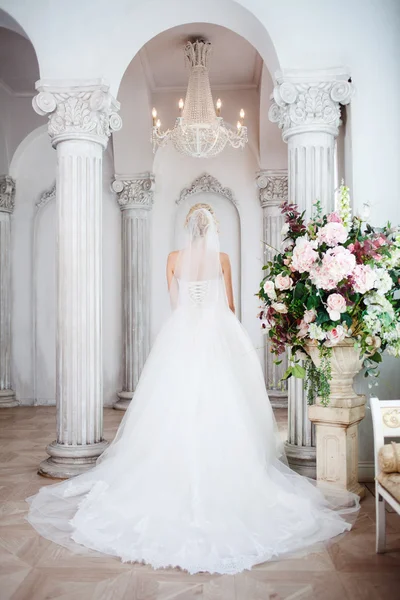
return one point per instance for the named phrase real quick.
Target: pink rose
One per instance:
(363, 279)
(332, 234)
(269, 289)
(303, 329)
(283, 282)
(334, 218)
(336, 305)
(335, 336)
(310, 316)
(280, 307)
(304, 255)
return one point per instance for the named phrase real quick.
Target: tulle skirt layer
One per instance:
(195, 476)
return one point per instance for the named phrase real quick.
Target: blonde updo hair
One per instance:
(201, 205)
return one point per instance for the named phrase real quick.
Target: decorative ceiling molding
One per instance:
(206, 184)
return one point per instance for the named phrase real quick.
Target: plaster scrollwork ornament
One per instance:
(209, 184)
(135, 191)
(391, 418)
(7, 194)
(273, 187)
(47, 196)
(300, 105)
(85, 112)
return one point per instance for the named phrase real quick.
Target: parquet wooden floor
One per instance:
(32, 568)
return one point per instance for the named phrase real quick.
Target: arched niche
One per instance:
(208, 189)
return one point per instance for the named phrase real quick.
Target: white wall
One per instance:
(132, 149)
(273, 150)
(35, 173)
(17, 120)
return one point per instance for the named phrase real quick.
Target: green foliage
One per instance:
(318, 378)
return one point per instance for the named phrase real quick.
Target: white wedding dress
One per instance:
(196, 476)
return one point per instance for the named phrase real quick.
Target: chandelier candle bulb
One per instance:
(181, 105)
(158, 123)
(239, 125)
(241, 115)
(154, 115)
(218, 107)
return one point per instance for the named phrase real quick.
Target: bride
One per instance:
(196, 476)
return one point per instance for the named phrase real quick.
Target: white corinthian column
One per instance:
(7, 198)
(273, 191)
(82, 115)
(135, 199)
(307, 109)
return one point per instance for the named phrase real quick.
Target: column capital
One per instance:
(134, 191)
(273, 187)
(7, 193)
(308, 101)
(77, 109)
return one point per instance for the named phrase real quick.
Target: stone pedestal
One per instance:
(135, 198)
(337, 445)
(307, 106)
(7, 198)
(82, 116)
(273, 191)
(337, 423)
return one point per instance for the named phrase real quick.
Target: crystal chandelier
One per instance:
(200, 130)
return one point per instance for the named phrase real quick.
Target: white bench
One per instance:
(386, 423)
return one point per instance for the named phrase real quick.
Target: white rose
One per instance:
(269, 289)
(336, 305)
(283, 282)
(279, 307)
(316, 332)
(285, 230)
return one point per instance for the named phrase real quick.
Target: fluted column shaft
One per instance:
(273, 191)
(7, 198)
(307, 109)
(135, 198)
(80, 121)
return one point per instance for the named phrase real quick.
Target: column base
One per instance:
(302, 459)
(124, 400)
(8, 399)
(278, 399)
(69, 461)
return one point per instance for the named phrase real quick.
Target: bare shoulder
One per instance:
(172, 256)
(224, 258)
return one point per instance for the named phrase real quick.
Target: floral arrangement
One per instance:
(335, 278)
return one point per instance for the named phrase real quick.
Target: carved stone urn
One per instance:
(337, 423)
